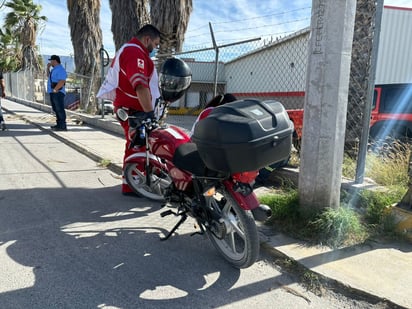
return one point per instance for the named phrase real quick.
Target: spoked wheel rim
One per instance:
(233, 242)
(136, 179)
(240, 242)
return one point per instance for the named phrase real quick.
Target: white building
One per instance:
(278, 70)
(395, 47)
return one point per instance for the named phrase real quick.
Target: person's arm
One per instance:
(59, 85)
(48, 69)
(145, 98)
(3, 88)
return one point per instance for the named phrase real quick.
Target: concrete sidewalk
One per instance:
(381, 271)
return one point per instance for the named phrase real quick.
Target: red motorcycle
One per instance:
(206, 177)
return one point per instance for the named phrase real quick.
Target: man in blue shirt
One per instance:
(56, 89)
(3, 95)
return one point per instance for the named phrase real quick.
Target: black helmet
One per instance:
(174, 79)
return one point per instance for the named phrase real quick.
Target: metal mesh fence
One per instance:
(361, 76)
(257, 69)
(21, 85)
(28, 86)
(254, 69)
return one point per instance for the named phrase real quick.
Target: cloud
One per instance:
(240, 20)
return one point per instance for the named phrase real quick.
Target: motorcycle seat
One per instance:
(187, 158)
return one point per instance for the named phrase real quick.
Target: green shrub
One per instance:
(338, 227)
(386, 168)
(362, 213)
(284, 204)
(390, 168)
(348, 167)
(377, 204)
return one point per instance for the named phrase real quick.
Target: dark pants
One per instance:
(57, 103)
(1, 114)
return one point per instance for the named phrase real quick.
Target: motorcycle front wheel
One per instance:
(239, 244)
(135, 176)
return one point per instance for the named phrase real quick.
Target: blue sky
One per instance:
(232, 21)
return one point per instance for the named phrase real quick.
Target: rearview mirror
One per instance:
(122, 114)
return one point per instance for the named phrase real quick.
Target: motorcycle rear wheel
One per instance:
(135, 176)
(240, 244)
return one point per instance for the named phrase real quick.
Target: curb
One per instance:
(95, 121)
(332, 284)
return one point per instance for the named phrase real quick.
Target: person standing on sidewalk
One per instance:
(56, 88)
(3, 95)
(128, 82)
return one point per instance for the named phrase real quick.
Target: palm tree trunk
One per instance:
(86, 35)
(171, 17)
(127, 18)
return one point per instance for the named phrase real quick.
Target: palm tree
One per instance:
(25, 19)
(127, 17)
(86, 36)
(171, 17)
(10, 51)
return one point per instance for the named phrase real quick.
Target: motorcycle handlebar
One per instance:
(142, 128)
(149, 123)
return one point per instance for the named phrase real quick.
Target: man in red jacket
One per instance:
(135, 70)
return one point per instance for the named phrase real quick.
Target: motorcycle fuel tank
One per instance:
(164, 141)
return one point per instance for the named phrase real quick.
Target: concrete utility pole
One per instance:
(325, 106)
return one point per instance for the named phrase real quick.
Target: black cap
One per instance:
(55, 57)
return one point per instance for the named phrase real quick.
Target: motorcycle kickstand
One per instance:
(182, 219)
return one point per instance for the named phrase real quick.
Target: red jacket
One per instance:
(136, 68)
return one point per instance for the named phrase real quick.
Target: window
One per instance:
(375, 97)
(396, 99)
(202, 98)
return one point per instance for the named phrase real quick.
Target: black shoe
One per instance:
(53, 127)
(3, 126)
(58, 129)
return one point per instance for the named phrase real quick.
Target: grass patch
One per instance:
(331, 227)
(284, 205)
(363, 214)
(348, 167)
(388, 171)
(104, 163)
(376, 204)
(286, 216)
(338, 227)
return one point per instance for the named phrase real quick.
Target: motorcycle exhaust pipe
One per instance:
(262, 213)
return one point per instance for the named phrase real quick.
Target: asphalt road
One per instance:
(69, 239)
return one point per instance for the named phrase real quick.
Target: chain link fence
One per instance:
(257, 69)
(364, 55)
(29, 86)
